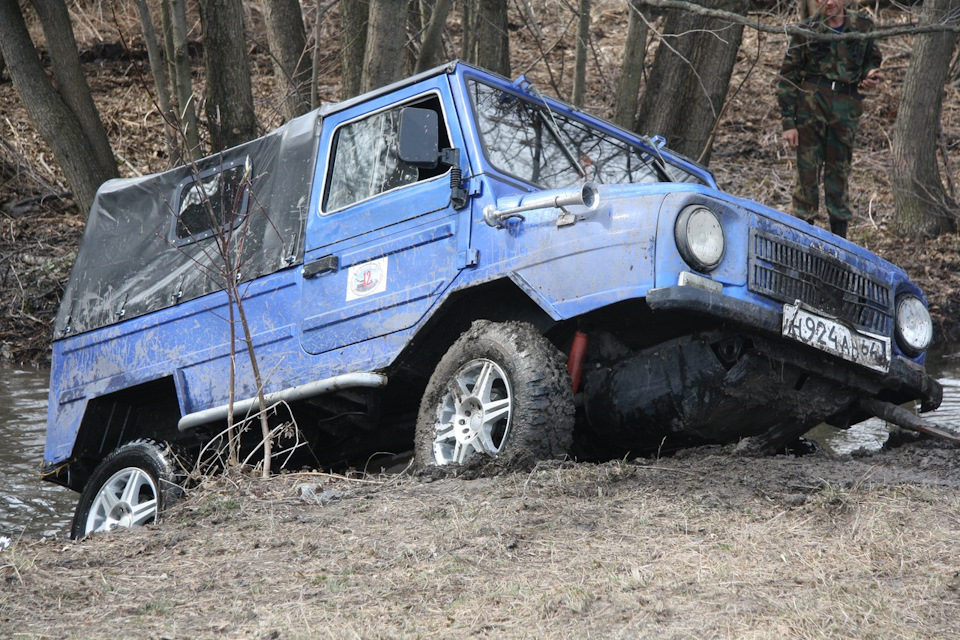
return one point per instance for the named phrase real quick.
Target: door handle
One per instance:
(326, 264)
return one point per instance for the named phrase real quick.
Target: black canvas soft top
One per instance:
(134, 259)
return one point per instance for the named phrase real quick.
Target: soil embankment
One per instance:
(698, 545)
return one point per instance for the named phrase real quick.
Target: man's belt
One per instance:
(834, 85)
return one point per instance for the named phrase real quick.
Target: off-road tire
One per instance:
(155, 460)
(542, 409)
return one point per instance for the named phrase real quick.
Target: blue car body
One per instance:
(363, 288)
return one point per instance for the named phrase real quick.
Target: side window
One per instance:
(366, 162)
(218, 200)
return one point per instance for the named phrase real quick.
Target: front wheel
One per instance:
(129, 488)
(501, 389)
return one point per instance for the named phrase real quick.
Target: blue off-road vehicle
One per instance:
(457, 264)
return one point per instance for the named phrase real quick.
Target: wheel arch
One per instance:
(149, 410)
(499, 300)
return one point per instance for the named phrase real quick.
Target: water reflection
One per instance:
(871, 434)
(28, 507)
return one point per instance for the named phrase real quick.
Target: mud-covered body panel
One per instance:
(375, 275)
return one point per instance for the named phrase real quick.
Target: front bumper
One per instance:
(905, 380)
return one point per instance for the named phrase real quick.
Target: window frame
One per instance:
(334, 137)
(187, 183)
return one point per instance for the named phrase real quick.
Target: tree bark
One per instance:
(430, 48)
(923, 207)
(49, 110)
(687, 87)
(291, 65)
(159, 74)
(580, 64)
(353, 37)
(178, 64)
(229, 97)
(631, 70)
(71, 83)
(467, 45)
(492, 38)
(387, 35)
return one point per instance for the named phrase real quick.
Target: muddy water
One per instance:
(871, 434)
(28, 507)
(31, 508)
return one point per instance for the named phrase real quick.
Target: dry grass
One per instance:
(705, 546)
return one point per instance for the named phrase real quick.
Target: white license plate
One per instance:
(828, 335)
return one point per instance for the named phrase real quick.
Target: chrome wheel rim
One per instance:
(474, 414)
(127, 499)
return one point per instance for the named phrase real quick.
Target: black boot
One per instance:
(838, 227)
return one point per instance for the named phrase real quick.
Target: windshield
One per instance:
(550, 150)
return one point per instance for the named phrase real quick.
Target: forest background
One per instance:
(697, 545)
(106, 89)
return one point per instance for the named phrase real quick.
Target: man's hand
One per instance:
(791, 137)
(872, 80)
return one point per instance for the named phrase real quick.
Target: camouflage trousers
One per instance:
(827, 127)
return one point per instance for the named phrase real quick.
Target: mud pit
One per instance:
(701, 544)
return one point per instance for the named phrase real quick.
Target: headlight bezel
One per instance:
(694, 247)
(913, 337)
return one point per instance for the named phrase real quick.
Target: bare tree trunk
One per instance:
(229, 97)
(353, 37)
(71, 83)
(631, 71)
(580, 66)
(383, 63)
(49, 110)
(178, 64)
(492, 37)
(467, 44)
(291, 66)
(923, 207)
(159, 78)
(3, 65)
(687, 87)
(430, 48)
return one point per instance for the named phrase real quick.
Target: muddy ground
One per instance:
(702, 544)
(698, 545)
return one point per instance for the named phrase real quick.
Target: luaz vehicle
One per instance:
(458, 263)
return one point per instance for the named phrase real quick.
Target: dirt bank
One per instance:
(700, 545)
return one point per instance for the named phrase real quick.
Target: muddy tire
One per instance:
(502, 389)
(129, 488)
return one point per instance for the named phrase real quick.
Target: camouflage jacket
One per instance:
(846, 61)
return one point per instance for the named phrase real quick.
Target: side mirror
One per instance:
(419, 134)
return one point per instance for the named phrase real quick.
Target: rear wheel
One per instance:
(501, 389)
(129, 488)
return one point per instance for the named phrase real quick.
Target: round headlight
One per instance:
(914, 327)
(699, 237)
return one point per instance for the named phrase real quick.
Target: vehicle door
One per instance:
(384, 240)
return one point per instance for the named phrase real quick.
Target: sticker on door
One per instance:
(367, 279)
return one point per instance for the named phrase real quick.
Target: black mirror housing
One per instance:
(419, 134)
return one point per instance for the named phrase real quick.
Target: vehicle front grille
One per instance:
(788, 271)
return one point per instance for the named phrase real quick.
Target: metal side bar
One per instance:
(301, 392)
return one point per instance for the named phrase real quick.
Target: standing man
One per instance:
(820, 105)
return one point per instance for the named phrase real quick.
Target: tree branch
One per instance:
(879, 33)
